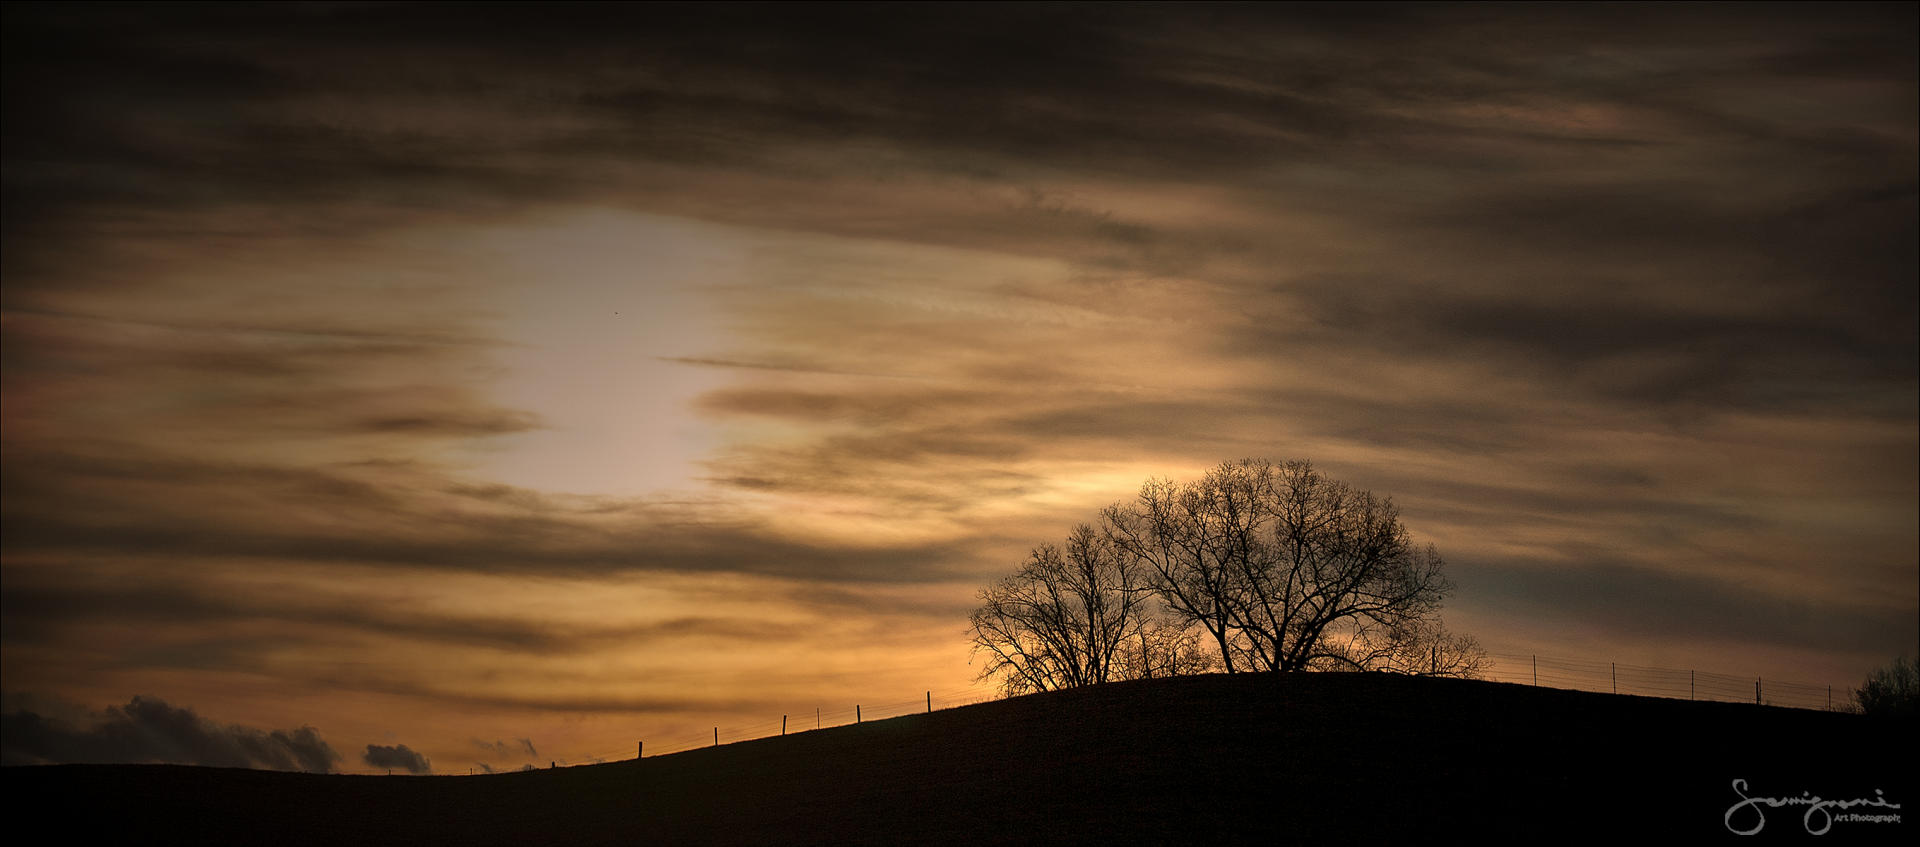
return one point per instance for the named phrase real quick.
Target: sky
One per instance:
(478, 386)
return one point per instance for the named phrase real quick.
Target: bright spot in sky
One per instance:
(593, 308)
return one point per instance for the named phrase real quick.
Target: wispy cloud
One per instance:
(501, 749)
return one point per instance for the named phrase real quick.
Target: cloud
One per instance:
(1659, 604)
(35, 611)
(407, 517)
(397, 756)
(1143, 93)
(147, 730)
(501, 749)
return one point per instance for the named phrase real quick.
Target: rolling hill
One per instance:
(1305, 758)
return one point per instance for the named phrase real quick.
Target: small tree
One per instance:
(1893, 691)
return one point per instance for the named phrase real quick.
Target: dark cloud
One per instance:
(412, 518)
(1241, 95)
(1660, 604)
(795, 367)
(279, 378)
(1800, 357)
(147, 730)
(397, 756)
(494, 423)
(37, 612)
(1140, 91)
(866, 406)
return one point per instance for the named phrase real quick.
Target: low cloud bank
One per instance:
(148, 731)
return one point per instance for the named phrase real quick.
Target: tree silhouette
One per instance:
(1077, 615)
(1288, 570)
(1280, 567)
(1168, 529)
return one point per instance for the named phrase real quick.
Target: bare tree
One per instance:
(1163, 646)
(1279, 567)
(1288, 570)
(1168, 529)
(1419, 647)
(1076, 615)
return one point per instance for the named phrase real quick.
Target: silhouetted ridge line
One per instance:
(1294, 757)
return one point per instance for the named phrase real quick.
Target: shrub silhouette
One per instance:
(1892, 691)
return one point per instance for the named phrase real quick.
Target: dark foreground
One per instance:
(1322, 758)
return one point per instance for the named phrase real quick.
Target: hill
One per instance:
(1303, 758)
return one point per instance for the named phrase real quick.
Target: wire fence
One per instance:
(1527, 669)
(792, 723)
(1676, 683)
(824, 718)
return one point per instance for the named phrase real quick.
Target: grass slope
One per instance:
(1305, 758)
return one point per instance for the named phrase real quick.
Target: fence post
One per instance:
(783, 724)
(816, 717)
(856, 713)
(716, 736)
(1536, 669)
(930, 702)
(1689, 685)
(1615, 671)
(1756, 691)
(639, 749)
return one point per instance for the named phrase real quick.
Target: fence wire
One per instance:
(1675, 683)
(821, 718)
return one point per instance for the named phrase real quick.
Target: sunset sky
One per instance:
(450, 376)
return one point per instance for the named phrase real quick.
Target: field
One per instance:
(1311, 758)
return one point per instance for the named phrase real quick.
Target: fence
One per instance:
(1612, 677)
(820, 718)
(1526, 669)
(794, 723)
